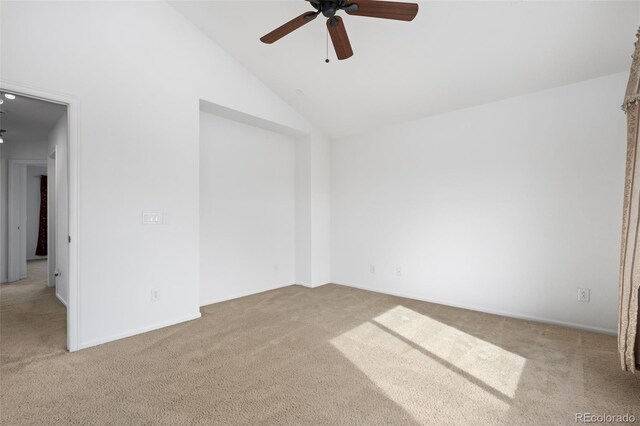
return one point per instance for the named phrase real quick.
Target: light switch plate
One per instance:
(152, 218)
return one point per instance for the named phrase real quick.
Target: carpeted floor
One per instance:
(330, 355)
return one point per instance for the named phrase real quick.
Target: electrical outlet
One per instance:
(398, 270)
(584, 295)
(155, 294)
(372, 268)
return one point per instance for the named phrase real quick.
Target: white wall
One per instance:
(58, 143)
(320, 210)
(4, 176)
(25, 150)
(303, 240)
(507, 207)
(138, 91)
(33, 209)
(313, 215)
(246, 209)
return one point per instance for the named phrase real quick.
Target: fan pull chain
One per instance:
(327, 60)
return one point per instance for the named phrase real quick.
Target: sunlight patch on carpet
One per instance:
(493, 365)
(425, 365)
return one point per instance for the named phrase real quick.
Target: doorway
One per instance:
(34, 207)
(25, 196)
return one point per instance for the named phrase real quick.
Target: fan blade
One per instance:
(339, 37)
(384, 9)
(289, 27)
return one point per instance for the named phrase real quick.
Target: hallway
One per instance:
(32, 320)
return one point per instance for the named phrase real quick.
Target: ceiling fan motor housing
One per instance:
(329, 7)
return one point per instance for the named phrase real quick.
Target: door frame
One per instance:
(16, 257)
(73, 164)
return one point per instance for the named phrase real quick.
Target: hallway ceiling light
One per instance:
(9, 96)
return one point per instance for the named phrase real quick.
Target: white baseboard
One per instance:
(96, 342)
(542, 320)
(313, 285)
(305, 285)
(239, 295)
(64, 302)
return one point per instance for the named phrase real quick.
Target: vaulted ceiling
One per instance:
(454, 55)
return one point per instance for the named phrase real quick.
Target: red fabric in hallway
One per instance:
(41, 248)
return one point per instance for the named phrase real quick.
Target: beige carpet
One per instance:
(331, 355)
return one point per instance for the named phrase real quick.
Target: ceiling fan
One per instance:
(371, 8)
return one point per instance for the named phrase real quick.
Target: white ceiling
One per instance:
(28, 119)
(453, 55)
